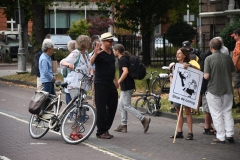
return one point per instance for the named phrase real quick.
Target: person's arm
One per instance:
(70, 60)
(116, 81)
(206, 76)
(124, 74)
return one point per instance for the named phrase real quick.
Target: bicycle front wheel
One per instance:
(156, 86)
(37, 127)
(152, 104)
(142, 105)
(81, 120)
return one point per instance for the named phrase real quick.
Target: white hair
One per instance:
(220, 39)
(47, 43)
(71, 45)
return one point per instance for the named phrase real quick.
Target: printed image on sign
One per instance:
(186, 86)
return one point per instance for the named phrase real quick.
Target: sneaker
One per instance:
(230, 139)
(109, 134)
(145, 123)
(121, 128)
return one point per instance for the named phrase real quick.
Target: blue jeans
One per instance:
(68, 98)
(49, 87)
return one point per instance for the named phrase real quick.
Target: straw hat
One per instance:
(106, 36)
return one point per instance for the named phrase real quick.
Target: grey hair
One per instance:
(47, 43)
(94, 43)
(215, 44)
(82, 42)
(220, 39)
(71, 45)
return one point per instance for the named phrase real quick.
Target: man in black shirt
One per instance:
(127, 87)
(105, 84)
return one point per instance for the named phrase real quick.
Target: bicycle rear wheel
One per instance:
(157, 86)
(37, 127)
(82, 120)
(142, 105)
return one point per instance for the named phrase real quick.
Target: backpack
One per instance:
(136, 68)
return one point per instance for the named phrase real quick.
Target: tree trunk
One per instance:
(146, 39)
(37, 31)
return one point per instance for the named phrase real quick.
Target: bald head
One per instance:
(215, 44)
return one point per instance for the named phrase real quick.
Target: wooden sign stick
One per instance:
(179, 114)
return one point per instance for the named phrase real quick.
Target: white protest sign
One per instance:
(186, 86)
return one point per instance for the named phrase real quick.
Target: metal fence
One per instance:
(161, 51)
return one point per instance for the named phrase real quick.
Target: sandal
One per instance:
(179, 135)
(74, 137)
(209, 131)
(190, 136)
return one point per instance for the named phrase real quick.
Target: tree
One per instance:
(179, 32)
(99, 24)
(137, 15)
(225, 33)
(78, 28)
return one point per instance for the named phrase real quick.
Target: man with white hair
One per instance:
(223, 48)
(45, 66)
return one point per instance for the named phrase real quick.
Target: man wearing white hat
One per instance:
(105, 84)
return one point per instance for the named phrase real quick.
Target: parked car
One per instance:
(159, 43)
(60, 41)
(9, 43)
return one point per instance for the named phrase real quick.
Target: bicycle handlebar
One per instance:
(165, 67)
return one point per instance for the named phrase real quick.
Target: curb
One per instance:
(162, 114)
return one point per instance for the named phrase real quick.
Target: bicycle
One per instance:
(77, 113)
(151, 105)
(161, 84)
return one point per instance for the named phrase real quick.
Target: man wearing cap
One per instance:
(194, 53)
(105, 84)
(236, 61)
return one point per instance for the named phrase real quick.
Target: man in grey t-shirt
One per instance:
(218, 70)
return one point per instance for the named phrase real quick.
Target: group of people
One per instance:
(100, 64)
(216, 93)
(217, 65)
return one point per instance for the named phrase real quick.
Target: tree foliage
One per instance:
(225, 33)
(176, 14)
(78, 27)
(179, 32)
(99, 24)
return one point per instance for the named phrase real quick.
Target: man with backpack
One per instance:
(127, 87)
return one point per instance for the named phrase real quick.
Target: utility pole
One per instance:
(55, 18)
(21, 50)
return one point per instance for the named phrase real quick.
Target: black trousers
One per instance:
(106, 99)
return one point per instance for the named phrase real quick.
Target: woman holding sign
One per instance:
(183, 57)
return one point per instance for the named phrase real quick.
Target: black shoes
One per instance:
(230, 139)
(179, 135)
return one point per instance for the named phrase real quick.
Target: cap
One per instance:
(232, 35)
(186, 44)
(106, 36)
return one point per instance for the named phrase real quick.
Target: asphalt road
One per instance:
(16, 142)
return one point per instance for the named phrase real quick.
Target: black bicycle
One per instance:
(150, 102)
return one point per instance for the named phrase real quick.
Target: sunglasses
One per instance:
(110, 41)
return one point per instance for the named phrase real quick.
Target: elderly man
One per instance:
(223, 48)
(218, 70)
(45, 66)
(105, 84)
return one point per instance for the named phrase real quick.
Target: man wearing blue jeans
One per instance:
(45, 67)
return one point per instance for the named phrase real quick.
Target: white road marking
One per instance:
(4, 158)
(98, 148)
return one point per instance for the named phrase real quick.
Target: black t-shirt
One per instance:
(105, 68)
(128, 83)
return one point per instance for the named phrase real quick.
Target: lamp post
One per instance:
(55, 17)
(21, 50)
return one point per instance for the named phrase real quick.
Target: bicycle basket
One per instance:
(87, 84)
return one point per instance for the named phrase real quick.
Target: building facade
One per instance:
(214, 15)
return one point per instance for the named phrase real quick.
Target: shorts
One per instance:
(176, 104)
(205, 104)
(236, 80)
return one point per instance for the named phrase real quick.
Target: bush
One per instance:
(179, 32)
(225, 33)
(59, 55)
